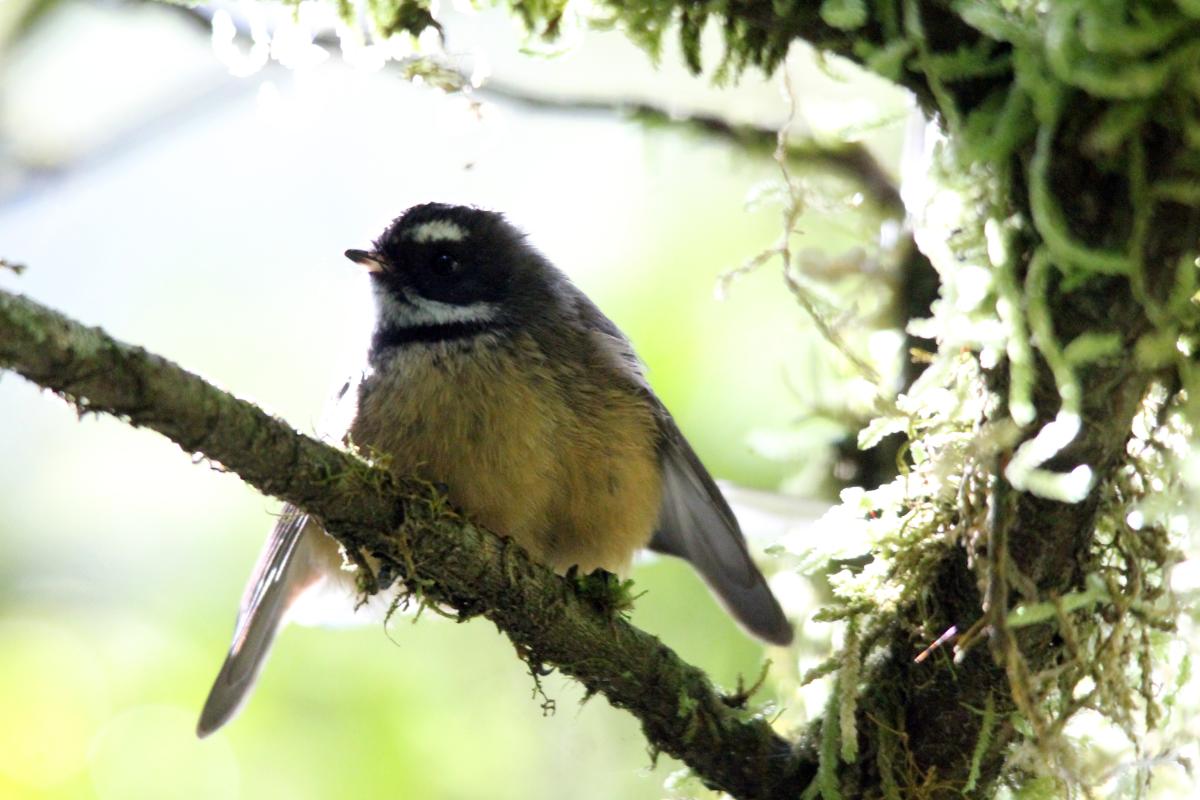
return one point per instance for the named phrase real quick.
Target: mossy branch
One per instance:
(417, 536)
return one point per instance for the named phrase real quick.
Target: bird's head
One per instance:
(440, 264)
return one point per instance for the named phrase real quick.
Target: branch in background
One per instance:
(407, 525)
(850, 160)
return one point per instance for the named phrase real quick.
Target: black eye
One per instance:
(445, 264)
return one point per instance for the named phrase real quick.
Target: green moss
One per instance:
(826, 783)
(846, 15)
(1062, 98)
(402, 16)
(982, 744)
(605, 591)
(847, 682)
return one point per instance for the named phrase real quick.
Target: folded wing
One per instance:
(697, 524)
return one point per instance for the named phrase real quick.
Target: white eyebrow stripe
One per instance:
(438, 230)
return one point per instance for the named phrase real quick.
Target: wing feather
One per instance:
(695, 522)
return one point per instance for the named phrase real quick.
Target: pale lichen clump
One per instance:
(1007, 266)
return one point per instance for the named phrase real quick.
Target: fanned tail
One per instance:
(283, 572)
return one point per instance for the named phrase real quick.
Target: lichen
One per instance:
(1076, 88)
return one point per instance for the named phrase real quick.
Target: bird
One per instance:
(492, 375)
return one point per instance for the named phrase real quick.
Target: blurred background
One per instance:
(188, 180)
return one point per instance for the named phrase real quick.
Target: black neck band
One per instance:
(398, 336)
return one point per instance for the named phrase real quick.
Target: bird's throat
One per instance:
(396, 336)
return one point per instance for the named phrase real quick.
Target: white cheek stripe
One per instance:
(439, 230)
(434, 312)
(422, 311)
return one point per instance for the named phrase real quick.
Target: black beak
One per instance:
(372, 261)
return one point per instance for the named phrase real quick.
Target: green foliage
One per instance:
(844, 14)
(411, 16)
(760, 38)
(825, 785)
(541, 17)
(982, 742)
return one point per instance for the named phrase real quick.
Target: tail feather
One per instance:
(281, 576)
